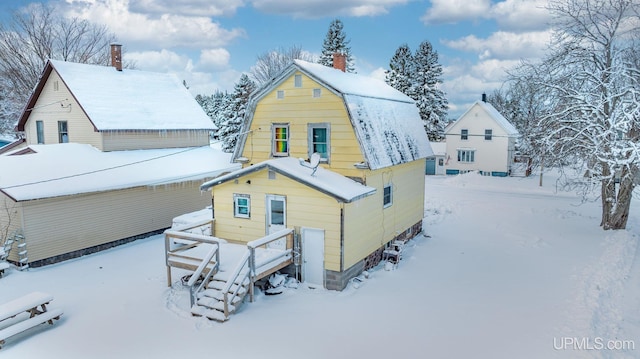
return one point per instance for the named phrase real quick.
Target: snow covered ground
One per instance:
(509, 270)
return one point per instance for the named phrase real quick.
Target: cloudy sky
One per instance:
(209, 43)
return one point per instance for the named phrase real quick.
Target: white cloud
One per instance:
(213, 59)
(163, 31)
(159, 61)
(324, 8)
(452, 11)
(187, 7)
(503, 45)
(521, 14)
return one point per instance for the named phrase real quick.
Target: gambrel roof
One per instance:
(386, 122)
(125, 100)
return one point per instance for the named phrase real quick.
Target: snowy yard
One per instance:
(510, 270)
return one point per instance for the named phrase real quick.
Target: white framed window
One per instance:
(297, 80)
(464, 134)
(280, 94)
(280, 139)
(488, 134)
(387, 195)
(40, 132)
(241, 205)
(318, 136)
(316, 93)
(466, 155)
(63, 132)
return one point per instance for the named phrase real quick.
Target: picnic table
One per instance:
(30, 310)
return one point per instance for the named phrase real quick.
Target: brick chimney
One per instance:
(340, 61)
(116, 56)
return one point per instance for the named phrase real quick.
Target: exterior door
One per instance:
(431, 166)
(276, 219)
(313, 256)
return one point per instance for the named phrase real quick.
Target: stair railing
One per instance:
(238, 276)
(193, 291)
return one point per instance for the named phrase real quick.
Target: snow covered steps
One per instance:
(211, 301)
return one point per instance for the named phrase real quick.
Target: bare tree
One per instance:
(590, 80)
(270, 63)
(35, 34)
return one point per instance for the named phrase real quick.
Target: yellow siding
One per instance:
(64, 224)
(299, 108)
(305, 207)
(57, 104)
(368, 226)
(142, 140)
(10, 219)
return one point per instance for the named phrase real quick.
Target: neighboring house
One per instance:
(108, 155)
(481, 140)
(365, 189)
(435, 163)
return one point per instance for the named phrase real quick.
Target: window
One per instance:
(241, 205)
(319, 140)
(488, 134)
(464, 134)
(280, 140)
(440, 161)
(63, 133)
(40, 132)
(387, 196)
(280, 94)
(297, 80)
(316, 93)
(466, 155)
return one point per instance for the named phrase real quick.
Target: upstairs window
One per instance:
(464, 134)
(280, 139)
(297, 80)
(316, 93)
(40, 132)
(488, 134)
(319, 140)
(387, 196)
(63, 133)
(280, 94)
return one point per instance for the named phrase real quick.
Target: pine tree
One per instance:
(234, 115)
(400, 73)
(425, 77)
(336, 42)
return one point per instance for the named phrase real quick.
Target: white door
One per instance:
(276, 219)
(313, 256)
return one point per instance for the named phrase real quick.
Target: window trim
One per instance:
(488, 134)
(237, 205)
(387, 199)
(464, 134)
(310, 142)
(61, 133)
(40, 132)
(274, 140)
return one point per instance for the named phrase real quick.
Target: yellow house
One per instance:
(335, 156)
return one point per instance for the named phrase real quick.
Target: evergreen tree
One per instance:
(234, 113)
(431, 101)
(400, 73)
(215, 106)
(336, 42)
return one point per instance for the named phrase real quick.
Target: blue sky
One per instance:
(210, 43)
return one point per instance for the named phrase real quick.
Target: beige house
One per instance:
(337, 157)
(109, 155)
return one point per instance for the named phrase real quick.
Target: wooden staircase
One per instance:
(211, 301)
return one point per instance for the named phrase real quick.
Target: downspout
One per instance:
(341, 236)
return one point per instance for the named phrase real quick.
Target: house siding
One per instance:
(494, 156)
(61, 225)
(298, 108)
(59, 105)
(10, 217)
(305, 207)
(144, 140)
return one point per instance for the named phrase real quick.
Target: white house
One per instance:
(480, 140)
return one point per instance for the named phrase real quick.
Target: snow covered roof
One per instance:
(73, 168)
(127, 99)
(325, 181)
(386, 121)
(439, 148)
(497, 117)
